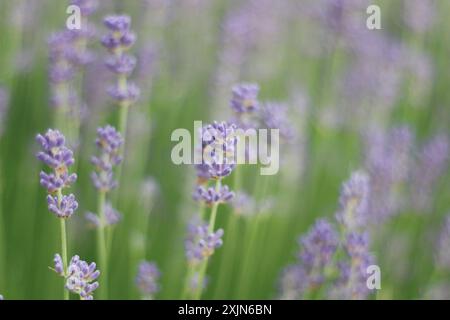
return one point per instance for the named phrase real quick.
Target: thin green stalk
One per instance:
(63, 244)
(101, 245)
(204, 265)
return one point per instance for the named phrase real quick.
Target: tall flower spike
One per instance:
(58, 157)
(147, 279)
(108, 142)
(353, 201)
(118, 41)
(275, 116)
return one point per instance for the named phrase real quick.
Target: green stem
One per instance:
(204, 265)
(63, 244)
(101, 244)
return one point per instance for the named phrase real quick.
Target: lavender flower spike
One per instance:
(211, 196)
(245, 97)
(147, 279)
(117, 41)
(108, 142)
(63, 208)
(353, 201)
(112, 216)
(81, 278)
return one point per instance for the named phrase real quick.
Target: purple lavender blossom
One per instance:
(318, 246)
(245, 97)
(80, 276)
(353, 201)
(108, 142)
(59, 266)
(219, 141)
(443, 252)
(275, 116)
(211, 196)
(419, 15)
(200, 243)
(112, 216)
(64, 207)
(87, 7)
(147, 279)
(431, 164)
(58, 157)
(353, 270)
(388, 163)
(117, 42)
(54, 152)
(294, 282)
(4, 101)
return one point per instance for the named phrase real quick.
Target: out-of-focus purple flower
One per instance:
(352, 283)
(200, 243)
(276, 116)
(64, 207)
(80, 276)
(243, 203)
(431, 164)
(4, 101)
(147, 279)
(293, 283)
(211, 195)
(442, 250)
(245, 97)
(87, 7)
(108, 142)
(353, 201)
(318, 246)
(59, 267)
(112, 216)
(219, 141)
(419, 15)
(149, 191)
(117, 41)
(388, 162)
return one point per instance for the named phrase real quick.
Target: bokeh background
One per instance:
(342, 84)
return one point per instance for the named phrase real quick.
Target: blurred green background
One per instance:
(200, 53)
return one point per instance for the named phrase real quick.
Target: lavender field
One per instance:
(352, 200)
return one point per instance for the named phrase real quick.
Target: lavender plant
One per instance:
(108, 142)
(147, 279)
(58, 158)
(118, 41)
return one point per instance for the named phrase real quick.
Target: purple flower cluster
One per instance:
(58, 157)
(200, 243)
(353, 201)
(351, 283)
(431, 164)
(219, 142)
(275, 116)
(211, 195)
(147, 279)
(108, 142)
(112, 216)
(388, 161)
(245, 97)
(318, 247)
(4, 101)
(118, 41)
(443, 252)
(79, 276)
